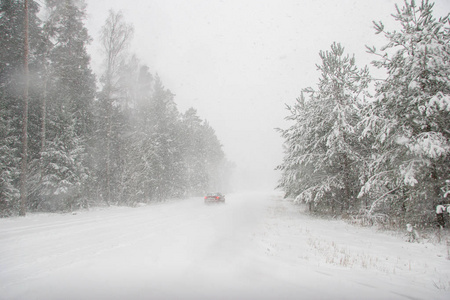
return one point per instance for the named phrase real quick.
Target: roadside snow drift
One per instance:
(255, 246)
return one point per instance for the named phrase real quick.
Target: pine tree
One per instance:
(409, 121)
(167, 163)
(322, 151)
(67, 102)
(24, 158)
(137, 174)
(215, 162)
(71, 72)
(11, 95)
(195, 153)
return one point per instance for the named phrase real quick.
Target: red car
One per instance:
(214, 198)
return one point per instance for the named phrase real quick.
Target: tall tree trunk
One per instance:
(24, 169)
(108, 149)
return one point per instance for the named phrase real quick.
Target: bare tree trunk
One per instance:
(23, 175)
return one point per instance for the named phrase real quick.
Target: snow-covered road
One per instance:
(256, 246)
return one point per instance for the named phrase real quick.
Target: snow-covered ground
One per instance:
(256, 246)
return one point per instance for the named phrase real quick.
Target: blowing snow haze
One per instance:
(238, 62)
(134, 111)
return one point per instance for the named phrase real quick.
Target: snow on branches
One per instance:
(393, 149)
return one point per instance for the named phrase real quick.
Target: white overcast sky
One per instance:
(239, 61)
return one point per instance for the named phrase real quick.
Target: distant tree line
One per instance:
(376, 150)
(121, 142)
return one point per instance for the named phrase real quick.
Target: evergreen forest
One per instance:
(113, 139)
(376, 150)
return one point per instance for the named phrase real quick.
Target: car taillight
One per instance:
(217, 198)
(206, 197)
